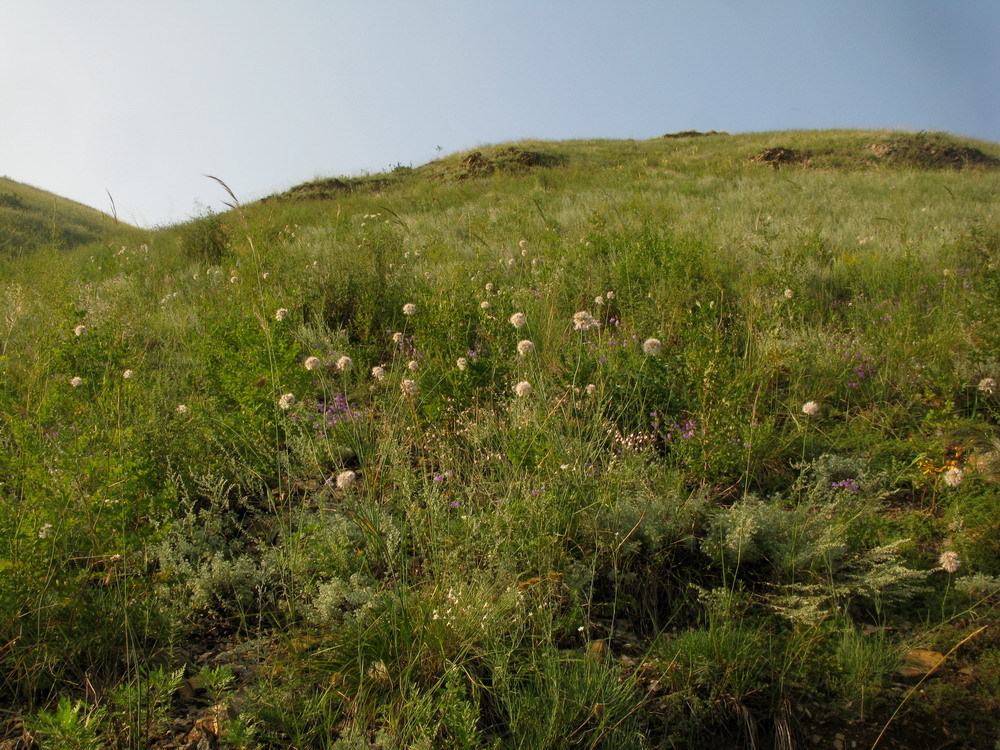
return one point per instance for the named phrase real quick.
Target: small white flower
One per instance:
(954, 476)
(598, 300)
(522, 243)
(311, 363)
(76, 382)
(410, 387)
(413, 365)
(484, 305)
(652, 346)
(182, 409)
(950, 561)
(409, 309)
(378, 372)
(810, 408)
(233, 279)
(281, 314)
(346, 480)
(462, 363)
(286, 401)
(789, 293)
(584, 321)
(489, 286)
(397, 338)
(609, 295)
(518, 320)
(265, 274)
(591, 389)
(80, 330)
(524, 348)
(523, 389)
(45, 530)
(345, 363)
(988, 385)
(127, 374)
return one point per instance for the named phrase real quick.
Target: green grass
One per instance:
(645, 550)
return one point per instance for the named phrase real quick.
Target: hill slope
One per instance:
(31, 218)
(676, 443)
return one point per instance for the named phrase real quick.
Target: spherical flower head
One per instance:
(584, 321)
(345, 363)
(484, 305)
(286, 401)
(591, 389)
(76, 382)
(281, 314)
(523, 389)
(652, 347)
(413, 365)
(378, 372)
(409, 309)
(789, 294)
(489, 286)
(810, 408)
(609, 295)
(127, 374)
(518, 320)
(182, 409)
(346, 480)
(397, 337)
(598, 300)
(233, 279)
(524, 348)
(80, 330)
(988, 385)
(410, 387)
(311, 363)
(954, 476)
(462, 363)
(950, 561)
(522, 243)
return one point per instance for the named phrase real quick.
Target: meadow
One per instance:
(676, 443)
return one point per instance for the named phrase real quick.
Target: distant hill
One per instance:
(31, 218)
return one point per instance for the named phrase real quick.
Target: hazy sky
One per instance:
(140, 98)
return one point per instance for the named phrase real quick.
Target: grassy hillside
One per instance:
(31, 219)
(676, 443)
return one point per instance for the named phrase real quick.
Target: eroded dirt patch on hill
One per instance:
(930, 152)
(779, 157)
(510, 159)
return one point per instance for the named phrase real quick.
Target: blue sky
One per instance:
(140, 99)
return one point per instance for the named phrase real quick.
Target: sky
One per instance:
(140, 99)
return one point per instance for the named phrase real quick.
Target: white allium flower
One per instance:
(523, 389)
(988, 385)
(281, 314)
(76, 382)
(378, 372)
(522, 243)
(80, 330)
(346, 480)
(609, 295)
(182, 409)
(397, 337)
(954, 476)
(518, 320)
(127, 374)
(413, 365)
(484, 305)
(489, 286)
(345, 363)
(409, 309)
(789, 293)
(524, 348)
(950, 561)
(311, 363)
(810, 408)
(591, 389)
(286, 401)
(584, 321)
(233, 279)
(598, 300)
(410, 387)
(462, 363)
(652, 346)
